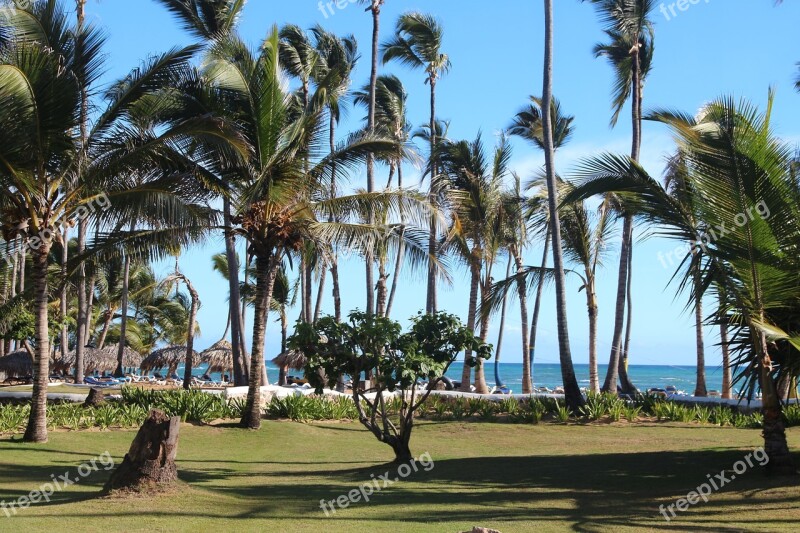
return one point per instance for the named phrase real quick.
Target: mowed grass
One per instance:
(508, 477)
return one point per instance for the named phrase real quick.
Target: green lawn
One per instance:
(508, 477)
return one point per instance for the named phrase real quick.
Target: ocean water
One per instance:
(549, 375)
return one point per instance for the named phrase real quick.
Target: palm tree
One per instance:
(391, 120)
(282, 204)
(679, 186)
(630, 51)
(572, 393)
(173, 280)
(418, 43)
(528, 125)
(284, 295)
(586, 239)
(210, 21)
(337, 59)
(738, 171)
(42, 63)
(374, 7)
(479, 207)
(301, 60)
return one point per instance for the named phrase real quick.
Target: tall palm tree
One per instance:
(629, 50)
(678, 183)
(476, 197)
(210, 21)
(572, 393)
(374, 7)
(337, 60)
(527, 124)
(738, 171)
(586, 239)
(417, 43)
(391, 120)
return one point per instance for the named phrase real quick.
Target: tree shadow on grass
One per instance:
(589, 492)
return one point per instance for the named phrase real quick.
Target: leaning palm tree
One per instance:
(629, 50)
(418, 43)
(528, 125)
(572, 393)
(741, 180)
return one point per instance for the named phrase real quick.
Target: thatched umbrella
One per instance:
(219, 357)
(17, 364)
(169, 357)
(97, 360)
(130, 357)
(291, 359)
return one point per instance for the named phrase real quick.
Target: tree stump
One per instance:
(96, 397)
(150, 462)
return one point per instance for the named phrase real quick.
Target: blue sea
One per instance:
(549, 375)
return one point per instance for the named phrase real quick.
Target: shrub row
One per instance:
(197, 406)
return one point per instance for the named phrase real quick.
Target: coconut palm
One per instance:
(283, 204)
(391, 120)
(478, 203)
(586, 237)
(527, 124)
(572, 393)
(374, 7)
(210, 21)
(42, 63)
(741, 180)
(337, 60)
(629, 50)
(417, 43)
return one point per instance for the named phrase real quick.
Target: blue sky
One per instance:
(739, 47)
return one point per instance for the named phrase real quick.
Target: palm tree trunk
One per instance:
(189, 366)
(284, 335)
(123, 325)
(373, 83)
(522, 293)
(572, 393)
(267, 271)
(106, 325)
(624, 378)
(610, 384)
(591, 303)
(337, 291)
(398, 265)
(726, 361)
(780, 460)
(36, 430)
(480, 375)
(700, 389)
(320, 295)
(475, 281)
(307, 291)
(382, 293)
(497, 379)
(234, 297)
(63, 296)
(84, 307)
(537, 307)
(432, 303)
